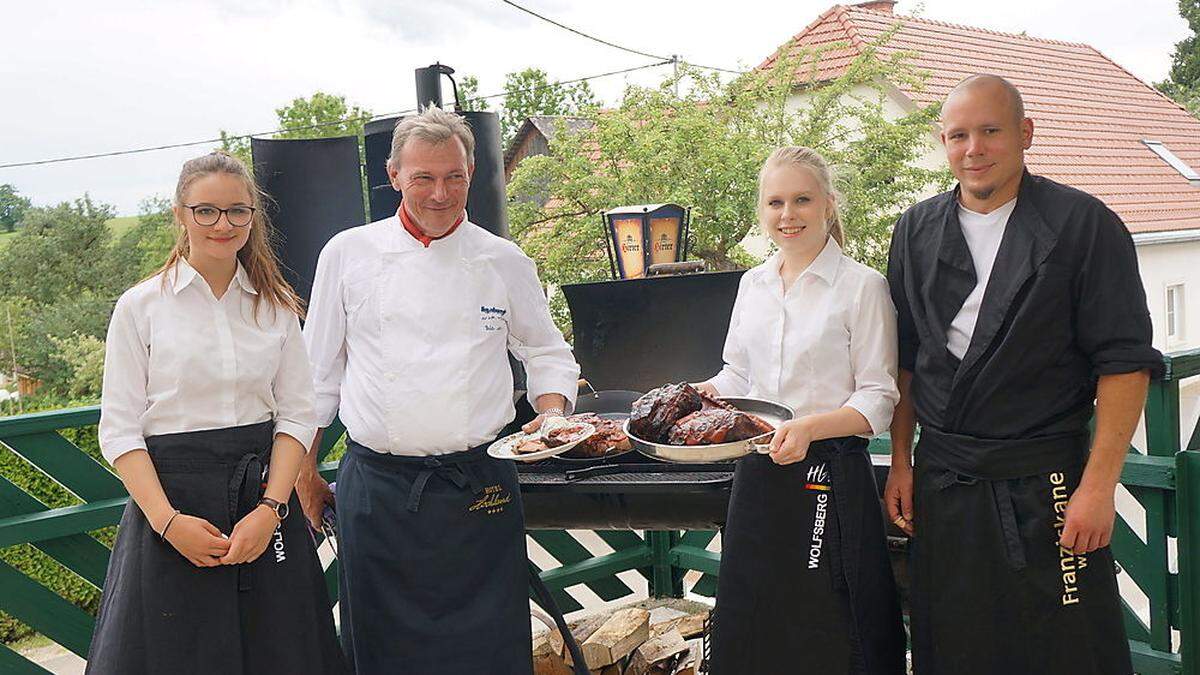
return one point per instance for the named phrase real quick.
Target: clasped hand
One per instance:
(204, 546)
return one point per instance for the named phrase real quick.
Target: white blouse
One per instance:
(829, 342)
(178, 359)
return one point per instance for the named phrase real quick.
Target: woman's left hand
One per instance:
(791, 441)
(251, 536)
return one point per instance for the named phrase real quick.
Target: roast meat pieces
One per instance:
(609, 438)
(561, 435)
(716, 425)
(658, 409)
(678, 414)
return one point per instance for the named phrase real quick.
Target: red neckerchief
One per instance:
(411, 227)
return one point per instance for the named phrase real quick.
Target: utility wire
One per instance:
(593, 38)
(583, 34)
(170, 146)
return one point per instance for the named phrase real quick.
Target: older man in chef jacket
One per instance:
(410, 324)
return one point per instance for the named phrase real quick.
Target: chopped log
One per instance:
(654, 651)
(619, 636)
(688, 626)
(582, 631)
(692, 626)
(691, 660)
(547, 660)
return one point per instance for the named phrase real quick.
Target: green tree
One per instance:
(1183, 85)
(529, 92)
(468, 95)
(703, 148)
(12, 207)
(63, 272)
(321, 115)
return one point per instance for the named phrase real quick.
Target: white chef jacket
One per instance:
(409, 343)
(829, 342)
(178, 359)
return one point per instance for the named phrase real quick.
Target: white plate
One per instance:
(502, 448)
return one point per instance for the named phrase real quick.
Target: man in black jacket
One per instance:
(1021, 313)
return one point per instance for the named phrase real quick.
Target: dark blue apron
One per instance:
(805, 584)
(162, 614)
(434, 576)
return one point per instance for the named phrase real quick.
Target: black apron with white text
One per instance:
(993, 592)
(805, 583)
(162, 614)
(434, 577)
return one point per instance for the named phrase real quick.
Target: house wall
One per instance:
(1161, 265)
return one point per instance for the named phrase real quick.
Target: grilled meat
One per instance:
(609, 437)
(716, 425)
(658, 409)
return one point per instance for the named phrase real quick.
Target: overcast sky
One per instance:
(89, 77)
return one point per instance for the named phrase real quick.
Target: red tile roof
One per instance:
(1090, 114)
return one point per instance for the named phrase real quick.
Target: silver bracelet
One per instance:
(554, 410)
(162, 536)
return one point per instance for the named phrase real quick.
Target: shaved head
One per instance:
(1011, 95)
(986, 134)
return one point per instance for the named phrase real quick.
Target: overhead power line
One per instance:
(582, 34)
(593, 38)
(206, 141)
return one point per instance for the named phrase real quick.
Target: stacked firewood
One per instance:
(630, 641)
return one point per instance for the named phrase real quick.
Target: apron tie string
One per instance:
(451, 472)
(244, 491)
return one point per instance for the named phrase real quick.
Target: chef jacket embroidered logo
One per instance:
(492, 318)
(493, 500)
(818, 477)
(1069, 564)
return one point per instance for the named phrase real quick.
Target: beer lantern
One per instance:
(644, 235)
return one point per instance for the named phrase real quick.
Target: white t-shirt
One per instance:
(983, 232)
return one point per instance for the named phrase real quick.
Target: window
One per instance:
(1175, 314)
(1176, 163)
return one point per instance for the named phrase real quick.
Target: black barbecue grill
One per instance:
(636, 335)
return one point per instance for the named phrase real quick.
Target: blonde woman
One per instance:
(805, 583)
(206, 412)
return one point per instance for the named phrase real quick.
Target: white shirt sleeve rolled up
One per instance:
(126, 364)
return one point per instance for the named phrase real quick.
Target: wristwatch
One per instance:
(280, 508)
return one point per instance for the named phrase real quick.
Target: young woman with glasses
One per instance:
(206, 412)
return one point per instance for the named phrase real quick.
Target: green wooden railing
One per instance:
(1164, 479)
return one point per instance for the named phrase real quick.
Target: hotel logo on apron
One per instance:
(818, 480)
(494, 498)
(1068, 563)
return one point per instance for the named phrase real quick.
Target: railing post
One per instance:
(1187, 504)
(665, 581)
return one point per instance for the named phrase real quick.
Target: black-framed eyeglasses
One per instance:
(207, 215)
